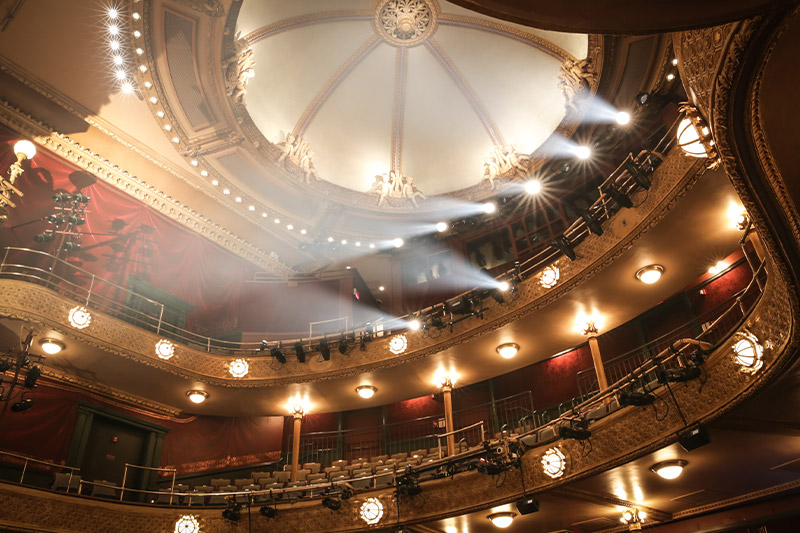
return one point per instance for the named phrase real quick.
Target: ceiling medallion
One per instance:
(406, 22)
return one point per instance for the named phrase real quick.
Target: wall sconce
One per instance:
(589, 328)
(238, 368)
(694, 136)
(554, 463)
(748, 352)
(549, 277)
(398, 344)
(298, 406)
(23, 150)
(165, 349)
(79, 317)
(634, 518)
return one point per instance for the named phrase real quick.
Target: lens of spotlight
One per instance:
(533, 187)
(441, 226)
(583, 152)
(398, 242)
(503, 286)
(413, 325)
(489, 207)
(623, 117)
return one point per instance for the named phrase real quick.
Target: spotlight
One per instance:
(56, 220)
(22, 405)
(441, 227)
(300, 352)
(644, 99)
(268, 512)
(678, 375)
(623, 118)
(414, 325)
(263, 346)
(591, 222)
(343, 346)
(564, 246)
(71, 246)
(533, 187)
(408, 485)
(81, 198)
(502, 520)
(489, 208)
(233, 511)
(622, 199)
(76, 220)
(61, 197)
(331, 503)
(637, 172)
(47, 236)
(639, 399)
(575, 431)
(278, 355)
(398, 242)
(325, 350)
(583, 152)
(33, 375)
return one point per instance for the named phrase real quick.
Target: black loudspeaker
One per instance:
(528, 505)
(693, 437)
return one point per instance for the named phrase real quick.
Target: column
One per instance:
(447, 391)
(591, 332)
(298, 421)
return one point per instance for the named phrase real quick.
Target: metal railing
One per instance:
(148, 468)
(26, 460)
(467, 441)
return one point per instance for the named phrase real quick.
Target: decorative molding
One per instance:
(132, 185)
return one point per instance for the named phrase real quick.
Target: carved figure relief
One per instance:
(505, 161)
(239, 68)
(298, 153)
(393, 185)
(575, 81)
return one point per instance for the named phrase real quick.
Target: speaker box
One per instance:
(693, 437)
(527, 505)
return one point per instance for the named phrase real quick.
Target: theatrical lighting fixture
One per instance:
(51, 346)
(62, 198)
(441, 227)
(414, 325)
(669, 469)
(22, 405)
(366, 391)
(47, 236)
(4, 366)
(371, 511)
(268, 512)
(334, 504)
(643, 99)
(71, 246)
(408, 485)
(187, 524)
(549, 276)
(576, 430)
(300, 352)
(79, 317)
(32, 376)
(503, 286)
(562, 244)
(324, 349)
(489, 208)
(197, 396)
(583, 152)
(238, 368)
(639, 399)
(748, 352)
(398, 242)
(278, 355)
(638, 172)
(554, 463)
(694, 136)
(623, 118)
(342, 345)
(649, 274)
(508, 350)
(233, 511)
(622, 199)
(680, 374)
(502, 520)
(398, 344)
(165, 349)
(533, 186)
(591, 222)
(263, 347)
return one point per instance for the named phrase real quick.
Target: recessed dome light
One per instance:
(502, 520)
(649, 274)
(51, 346)
(441, 227)
(489, 207)
(623, 117)
(533, 186)
(669, 469)
(583, 152)
(197, 396)
(508, 350)
(366, 391)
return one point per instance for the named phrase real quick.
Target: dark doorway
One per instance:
(112, 444)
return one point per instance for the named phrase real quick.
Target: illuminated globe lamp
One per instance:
(366, 391)
(669, 469)
(634, 518)
(748, 352)
(23, 150)
(694, 136)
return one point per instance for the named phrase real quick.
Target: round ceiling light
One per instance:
(79, 317)
(165, 349)
(649, 274)
(197, 396)
(508, 350)
(669, 469)
(238, 368)
(51, 346)
(366, 391)
(502, 520)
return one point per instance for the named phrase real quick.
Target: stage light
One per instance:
(32, 376)
(583, 152)
(342, 346)
(649, 274)
(197, 396)
(623, 118)
(503, 286)
(639, 399)
(331, 503)
(502, 520)
(325, 350)
(71, 246)
(508, 350)
(562, 244)
(592, 223)
(268, 512)
(127, 87)
(533, 187)
(113, 13)
(639, 173)
(576, 430)
(441, 227)
(414, 325)
(233, 511)
(23, 405)
(669, 469)
(398, 242)
(47, 236)
(489, 208)
(278, 355)
(62, 197)
(366, 391)
(51, 346)
(300, 352)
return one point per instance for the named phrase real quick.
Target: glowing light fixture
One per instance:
(549, 277)
(502, 520)
(649, 274)
(113, 13)
(165, 349)
(489, 208)
(738, 216)
(366, 391)
(675, 62)
(748, 352)
(554, 463)
(583, 152)
(503, 286)
(718, 267)
(670, 76)
(371, 511)
(398, 242)
(197, 396)
(398, 344)
(508, 350)
(113, 29)
(589, 328)
(79, 317)
(669, 469)
(238, 368)
(533, 187)
(187, 524)
(25, 148)
(694, 136)
(623, 118)
(381, 288)
(444, 379)
(441, 227)
(127, 87)
(298, 406)
(51, 346)
(414, 325)
(633, 516)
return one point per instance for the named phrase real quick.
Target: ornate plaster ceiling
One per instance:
(421, 87)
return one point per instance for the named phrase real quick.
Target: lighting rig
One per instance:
(500, 457)
(20, 363)
(66, 220)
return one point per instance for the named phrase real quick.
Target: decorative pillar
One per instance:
(298, 421)
(447, 391)
(591, 331)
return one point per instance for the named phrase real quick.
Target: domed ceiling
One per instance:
(425, 95)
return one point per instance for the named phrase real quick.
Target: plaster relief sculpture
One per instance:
(505, 162)
(239, 68)
(575, 81)
(298, 153)
(395, 186)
